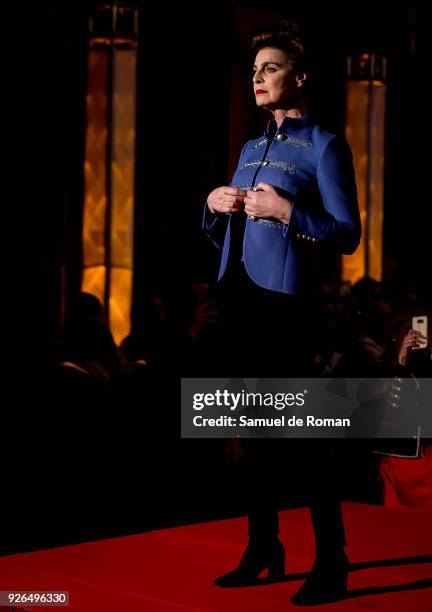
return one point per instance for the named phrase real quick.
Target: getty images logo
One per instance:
(233, 398)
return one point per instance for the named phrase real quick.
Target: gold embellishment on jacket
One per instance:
(307, 238)
(287, 167)
(250, 165)
(298, 142)
(394, 394)
(272, 224)
(260, 143)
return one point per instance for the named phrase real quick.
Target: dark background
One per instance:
(74, 470)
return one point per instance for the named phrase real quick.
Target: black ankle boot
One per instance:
(259, 555)
(327, 581)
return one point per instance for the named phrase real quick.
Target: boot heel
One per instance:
(323, 585)
(258, 556)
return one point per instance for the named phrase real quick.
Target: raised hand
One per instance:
(226, 200)
(410, 341)
(264, 201)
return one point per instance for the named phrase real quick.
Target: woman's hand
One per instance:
(411, 340)
(267, 203)
(226, 199)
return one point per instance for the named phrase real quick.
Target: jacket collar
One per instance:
(287, 123)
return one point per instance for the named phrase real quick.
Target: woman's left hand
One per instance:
(266, 202)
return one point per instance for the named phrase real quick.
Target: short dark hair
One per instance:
(287, 36)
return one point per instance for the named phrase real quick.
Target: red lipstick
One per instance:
(260, 91)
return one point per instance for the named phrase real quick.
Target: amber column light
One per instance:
(364, 131)
(110, 162)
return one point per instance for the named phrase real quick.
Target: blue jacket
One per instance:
(313, 169)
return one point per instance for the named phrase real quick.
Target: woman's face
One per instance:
(275, 82)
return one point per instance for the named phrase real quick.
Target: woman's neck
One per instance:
(296, 112)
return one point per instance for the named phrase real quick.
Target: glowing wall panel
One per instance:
(365, 122)
(109, 182)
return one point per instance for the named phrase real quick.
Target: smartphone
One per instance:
(420, 324)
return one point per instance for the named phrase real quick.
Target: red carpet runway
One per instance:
(172, 570)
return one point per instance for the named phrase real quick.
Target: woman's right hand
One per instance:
(226, 200)
(411, 340)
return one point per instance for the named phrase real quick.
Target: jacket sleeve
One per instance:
(338, 226)
(214, 224)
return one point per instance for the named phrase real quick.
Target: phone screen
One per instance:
(420, 323)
